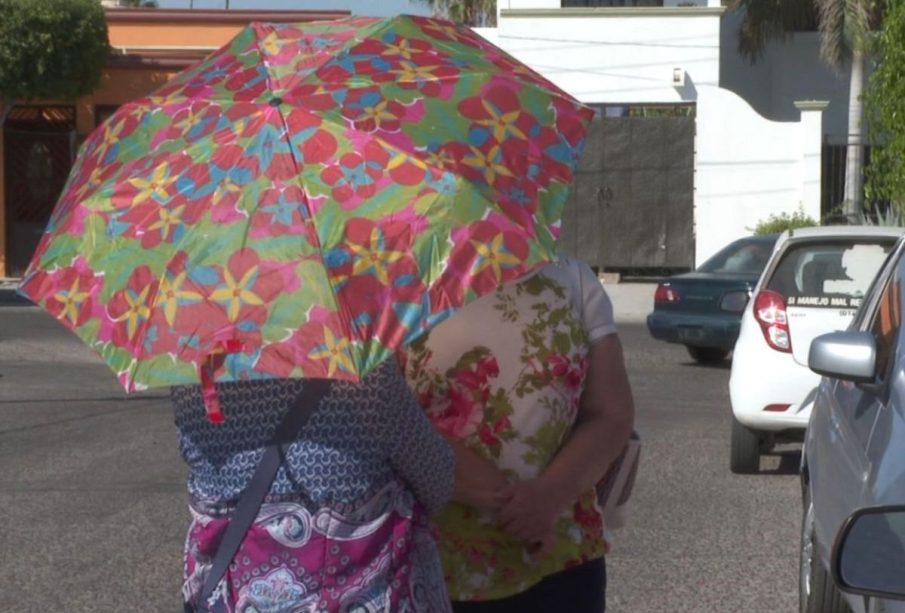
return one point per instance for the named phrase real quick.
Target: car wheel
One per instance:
(817, 593)
(744, 449)
(707, 355)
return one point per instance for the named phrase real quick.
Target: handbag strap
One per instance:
(253, 495)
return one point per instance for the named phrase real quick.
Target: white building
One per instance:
(693, 145)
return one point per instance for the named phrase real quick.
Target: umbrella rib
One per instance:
(264, 59)
(347, 315)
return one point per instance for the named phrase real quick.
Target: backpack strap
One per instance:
(253, 495)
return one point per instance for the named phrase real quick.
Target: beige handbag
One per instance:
(615, 488)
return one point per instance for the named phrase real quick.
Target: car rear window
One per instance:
(743, 256)
(834, 274)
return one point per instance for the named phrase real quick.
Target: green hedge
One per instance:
(775, 224)
(52, 49)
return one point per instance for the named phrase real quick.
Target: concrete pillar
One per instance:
(811, 154)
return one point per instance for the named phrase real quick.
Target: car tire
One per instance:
(707, 355)
(744, 449)
(817, 592)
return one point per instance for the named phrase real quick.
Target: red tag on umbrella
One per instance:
(207, 371)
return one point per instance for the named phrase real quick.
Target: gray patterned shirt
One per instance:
(359, 438)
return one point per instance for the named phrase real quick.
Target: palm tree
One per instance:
(845, 27)
(139, 3)
(475, 13)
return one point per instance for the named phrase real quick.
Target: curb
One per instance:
(8, 293)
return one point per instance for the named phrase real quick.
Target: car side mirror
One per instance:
(868, 556)
(734, 302)
(851, 356)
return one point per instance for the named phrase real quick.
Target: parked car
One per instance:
(854, 452)
(814, 282)
(701, 309)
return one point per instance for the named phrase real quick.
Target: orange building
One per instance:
(39, 140)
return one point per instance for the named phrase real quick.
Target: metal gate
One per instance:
(39, 145)
(631, 209)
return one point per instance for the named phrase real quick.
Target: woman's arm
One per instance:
(478, 480)
(435, 469)
(605, 421)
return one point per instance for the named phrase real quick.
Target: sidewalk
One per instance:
(632, 300)
(8, 293)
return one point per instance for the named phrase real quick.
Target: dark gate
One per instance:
(833, 181)
(632, 204)
(39, 145)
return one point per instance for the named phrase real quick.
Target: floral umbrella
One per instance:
(307, 199)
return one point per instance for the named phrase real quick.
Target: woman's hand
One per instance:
(477, 480)
(529, 510)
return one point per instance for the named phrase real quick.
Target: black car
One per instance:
(702, 309)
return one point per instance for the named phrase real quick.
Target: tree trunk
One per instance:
(853, 204)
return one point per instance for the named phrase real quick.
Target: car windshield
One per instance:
(834, 273)
(742, 256)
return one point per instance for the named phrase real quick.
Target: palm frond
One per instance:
(768, 20)
(844, 26)
(468, 12)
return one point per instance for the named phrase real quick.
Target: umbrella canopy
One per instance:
(306, 200)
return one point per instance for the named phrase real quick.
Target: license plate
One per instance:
(690, 333)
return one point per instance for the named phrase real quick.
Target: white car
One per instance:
(814, 282)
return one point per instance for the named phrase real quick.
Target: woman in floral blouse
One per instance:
(532, 377)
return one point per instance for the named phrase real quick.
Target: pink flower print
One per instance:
(313, 144)
(558, 364)
(462, 416)
(562, 367)
(371, 112)
(488, 367)
(74, 295)
(130, 310)
(490, 433)
(357, 174)
(467, 396)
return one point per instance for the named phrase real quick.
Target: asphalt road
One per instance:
(92, 512)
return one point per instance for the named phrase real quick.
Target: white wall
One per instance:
(748, 167)
(617, 57)
(528, 4)
(555, 4)
(789, 70)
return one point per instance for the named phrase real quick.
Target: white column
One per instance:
(811, 153)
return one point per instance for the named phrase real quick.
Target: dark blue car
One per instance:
(702, 309)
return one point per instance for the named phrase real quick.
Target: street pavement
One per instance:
(632, 301)
(93, 506)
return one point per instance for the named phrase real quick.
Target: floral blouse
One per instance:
(505, 375)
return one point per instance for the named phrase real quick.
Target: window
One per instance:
(831, 274)
(746, 256)
(886, 324)
(643, 110)
(611, 3)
